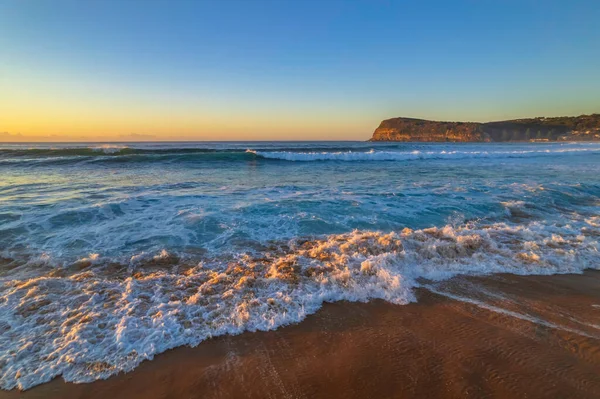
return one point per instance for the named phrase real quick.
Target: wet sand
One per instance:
(513, 337)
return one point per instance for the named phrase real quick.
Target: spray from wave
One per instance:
(109, 148)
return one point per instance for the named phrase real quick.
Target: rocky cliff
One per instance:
(584, 127)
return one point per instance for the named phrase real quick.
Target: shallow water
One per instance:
(116, 252)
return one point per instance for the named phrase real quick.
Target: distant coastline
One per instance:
(540, 129)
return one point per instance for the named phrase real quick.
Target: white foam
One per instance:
(90, 322)
(373, 155)
(109, 148)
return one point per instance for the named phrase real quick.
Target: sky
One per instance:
(129, 70)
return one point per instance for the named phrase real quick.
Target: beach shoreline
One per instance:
(540, 343)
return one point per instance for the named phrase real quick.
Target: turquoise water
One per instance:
(65, 202)
(115, 252)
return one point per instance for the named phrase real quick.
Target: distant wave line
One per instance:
(282, 154)
(373, 155)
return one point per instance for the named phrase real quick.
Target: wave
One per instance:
(123, 153)
(373, 155)
(124, 150)
(102, 150)
(96, 317)
(45, 157)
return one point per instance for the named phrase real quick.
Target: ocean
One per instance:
(113, 253)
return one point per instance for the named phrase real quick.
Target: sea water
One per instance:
(113, 253)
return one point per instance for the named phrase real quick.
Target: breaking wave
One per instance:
(397, 152)
(97, 317)
(373, 155)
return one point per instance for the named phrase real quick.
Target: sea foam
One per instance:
(374, 155)
(95, 318)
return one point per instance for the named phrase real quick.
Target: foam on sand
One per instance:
(97, 317)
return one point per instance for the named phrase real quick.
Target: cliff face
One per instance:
(584, 127)
(408, 129)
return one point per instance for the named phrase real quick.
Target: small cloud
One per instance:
(6, 136)
(137, 136)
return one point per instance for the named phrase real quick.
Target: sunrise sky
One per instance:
(283, 70)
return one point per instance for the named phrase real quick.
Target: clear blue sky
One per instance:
(288, 69)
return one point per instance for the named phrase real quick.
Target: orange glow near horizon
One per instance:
(123, 122)
(166, 129)
(51, 106)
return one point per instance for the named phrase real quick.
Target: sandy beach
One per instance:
(539, 341)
